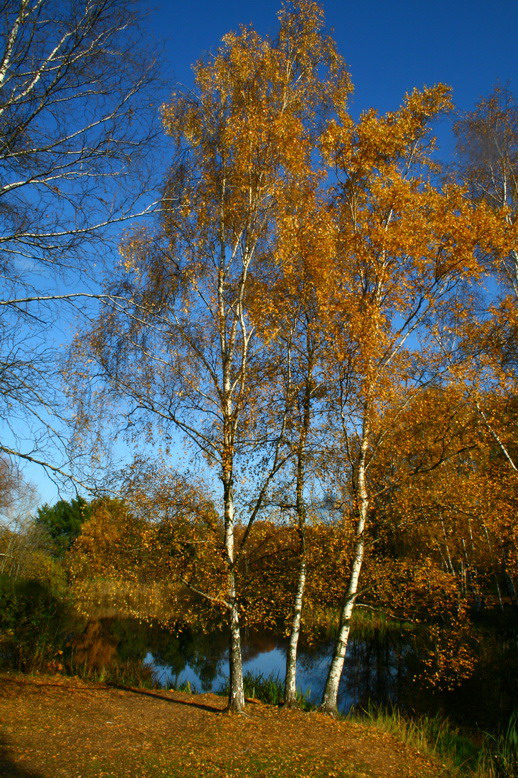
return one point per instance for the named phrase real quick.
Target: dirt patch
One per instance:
(56, 726)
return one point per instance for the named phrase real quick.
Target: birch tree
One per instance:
(301, 343)
(487, 151)
(306, 387)
(405, 247)
(75, 121)
(188, 349)
(487, 155)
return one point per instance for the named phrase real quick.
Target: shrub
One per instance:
(33, 621)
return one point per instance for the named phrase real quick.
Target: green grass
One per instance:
(181, 686)
(322, 623)
(437, 737)
(431, 735)
(269, 689)
(128, 672)
(366, 623)
(499, 756)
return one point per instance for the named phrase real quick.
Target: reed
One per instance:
(269, 689)
(499, 754)
(432, 735)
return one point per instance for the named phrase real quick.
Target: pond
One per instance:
(374, 670)
(382, 668)
(372, 673)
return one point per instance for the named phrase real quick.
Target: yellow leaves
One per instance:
(280, 220)
(423, 105)
(452, 654)
(256, 96)
(377, 143)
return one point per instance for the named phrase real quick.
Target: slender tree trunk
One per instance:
(290, 685)
(236, 694)
(495, 574)
(330, 696)
(451, 568)
(496, 437)
(227, 336)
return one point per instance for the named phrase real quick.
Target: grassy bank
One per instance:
(37, 626)
(479, 755)
(433, 743)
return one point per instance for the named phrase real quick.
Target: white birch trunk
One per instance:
(290, 685)
(236, 695)
(330, 696)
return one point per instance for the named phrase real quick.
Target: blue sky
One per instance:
(390, 48)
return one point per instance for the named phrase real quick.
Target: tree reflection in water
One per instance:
(380, 668)
(374, 668)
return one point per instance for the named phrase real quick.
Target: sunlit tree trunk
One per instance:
(236, 695)
(290, 686)
(330, 696)
(227, 338)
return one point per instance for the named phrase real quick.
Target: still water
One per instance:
(373, 671)
(381, 669)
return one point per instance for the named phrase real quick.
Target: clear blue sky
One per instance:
(390, 46)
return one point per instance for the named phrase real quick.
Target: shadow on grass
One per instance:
(8, 766)
(146, 692)
(37, 684)
(158, 696)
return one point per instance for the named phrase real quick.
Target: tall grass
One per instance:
(268, 689)
(497, 757)
(127, 672)
(431, 735)
(366, 623)
(180, 686)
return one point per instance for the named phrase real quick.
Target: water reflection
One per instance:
(373, 672)
(379, 669)
(374, 668)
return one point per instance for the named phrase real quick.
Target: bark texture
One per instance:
(330, 696)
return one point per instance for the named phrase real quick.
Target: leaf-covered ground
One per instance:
(56, 726)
